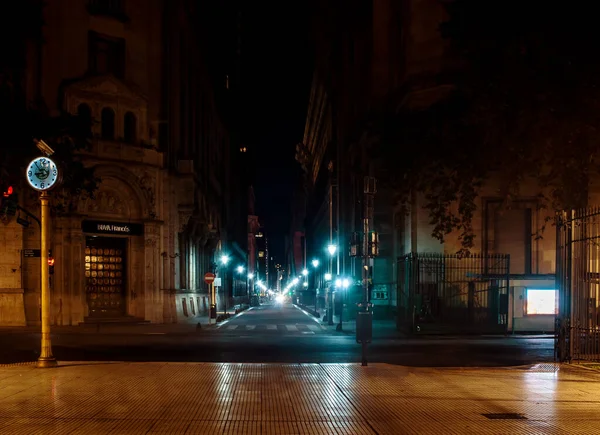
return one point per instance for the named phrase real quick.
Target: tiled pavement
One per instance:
(197, 398)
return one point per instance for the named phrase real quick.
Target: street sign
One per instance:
(209, 277)
(32, 253)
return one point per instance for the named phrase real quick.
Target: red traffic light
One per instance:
(8, 191)
(50, 261)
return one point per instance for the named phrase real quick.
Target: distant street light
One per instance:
(315, 263)
(250, 275)
(305, 272)
(327, 277)
(332, 249)
(240, 269)
(224, 259)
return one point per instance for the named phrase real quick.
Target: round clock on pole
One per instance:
(42, 174)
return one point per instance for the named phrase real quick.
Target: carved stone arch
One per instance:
(123, 185)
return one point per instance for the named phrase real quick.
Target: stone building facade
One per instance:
(137, 250)
(384, 53)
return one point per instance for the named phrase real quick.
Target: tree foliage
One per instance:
(25, 120)
(524, 108)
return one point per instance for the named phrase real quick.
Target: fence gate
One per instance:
(445, 293)
(578, 279)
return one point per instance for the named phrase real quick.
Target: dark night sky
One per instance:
(276, 74)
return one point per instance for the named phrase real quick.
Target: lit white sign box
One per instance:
(217, 282)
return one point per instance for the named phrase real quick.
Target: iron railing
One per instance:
(446, 293)
(578, 279)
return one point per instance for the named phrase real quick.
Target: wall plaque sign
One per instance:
(118, 228)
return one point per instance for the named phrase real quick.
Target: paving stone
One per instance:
(194, 398)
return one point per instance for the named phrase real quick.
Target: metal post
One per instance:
(329, 289)
(369, 193)
(224, 284)
(46, 360)
(213, 304)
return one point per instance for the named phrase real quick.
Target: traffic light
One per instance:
(8, 202)
(51, 265)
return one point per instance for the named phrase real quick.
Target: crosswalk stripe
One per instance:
(304, 328)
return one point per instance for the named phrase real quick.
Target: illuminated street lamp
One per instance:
(327, 277)
(224, 260)
(295, 281)
(315, 263)
(305, 272)
(250, 275)
(305, 284)
(240, 269)
(332, 249)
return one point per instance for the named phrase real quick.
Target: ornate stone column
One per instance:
(152, 295)
(68, 290)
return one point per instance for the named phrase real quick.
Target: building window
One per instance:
(509, 231)
(130, 127)
(109, 8)
(108, 123)
(106, 55)
(85, 115)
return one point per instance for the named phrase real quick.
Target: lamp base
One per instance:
(46, 363)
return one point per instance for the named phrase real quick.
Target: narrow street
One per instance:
(268, 333)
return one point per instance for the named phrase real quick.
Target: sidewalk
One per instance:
(196, 398)
(187, 326)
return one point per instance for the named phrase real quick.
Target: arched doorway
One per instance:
(112, 231)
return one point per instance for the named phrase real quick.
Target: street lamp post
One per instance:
(331, 249)
(42, 174)
(315, 264)
(224, 262)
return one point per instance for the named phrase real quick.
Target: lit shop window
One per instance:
(541, 302)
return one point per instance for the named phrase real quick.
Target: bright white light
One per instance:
(327, 277)
(250, 275)
(315, 263)
(225, 259)
(295, 281)
(305, 272)
(332, 249)
(240, 269)
(338, 282)
(541, 302)
(345, 283)
(280, 298)
(305, 284)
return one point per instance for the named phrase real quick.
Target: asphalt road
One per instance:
(274, 333)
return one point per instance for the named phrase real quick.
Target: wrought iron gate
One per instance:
(578, 279)
(445, 293)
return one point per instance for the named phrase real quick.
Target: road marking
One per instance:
(271, 326)
(315, 328)
(291, 327)
(232, 326)
(250, 327)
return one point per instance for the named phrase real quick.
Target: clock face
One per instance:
(42, 173)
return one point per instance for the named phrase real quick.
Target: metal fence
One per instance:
(445, 293)
(578, 279)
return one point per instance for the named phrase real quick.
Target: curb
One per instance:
(307, 310)
(224, 322)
